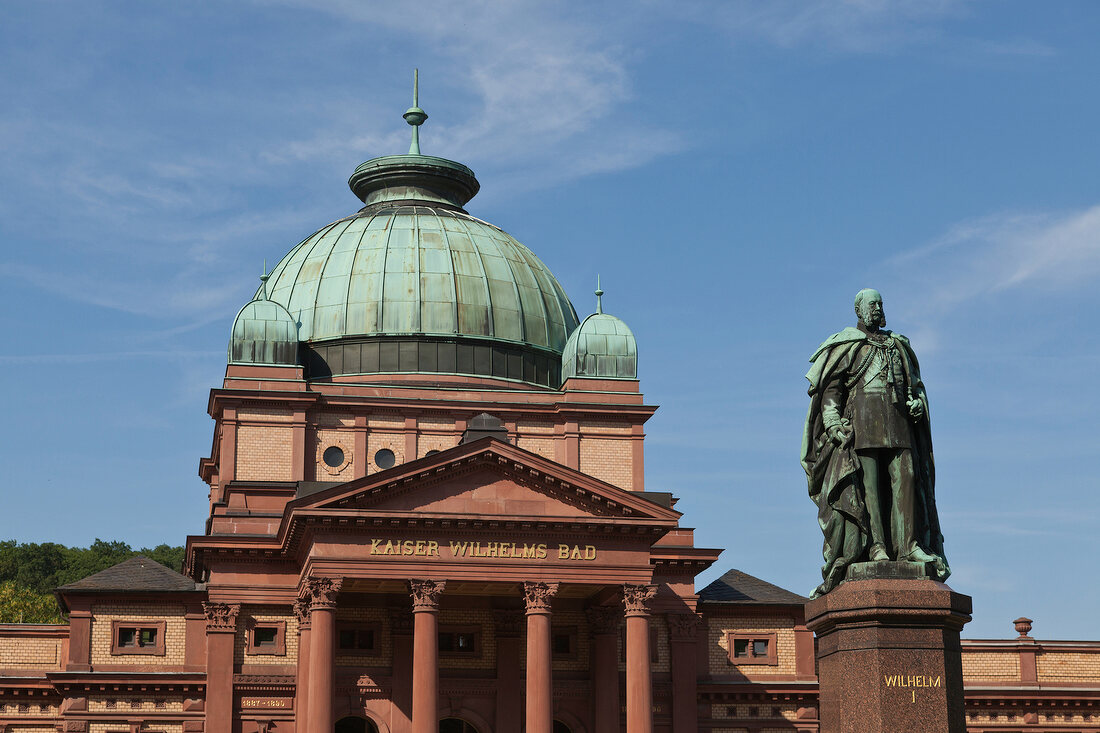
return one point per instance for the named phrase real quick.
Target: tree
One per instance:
(20, 605)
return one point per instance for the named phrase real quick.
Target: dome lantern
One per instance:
(601, 347)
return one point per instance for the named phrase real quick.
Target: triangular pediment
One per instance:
(487, 478)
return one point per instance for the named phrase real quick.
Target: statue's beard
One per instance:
(871, 320)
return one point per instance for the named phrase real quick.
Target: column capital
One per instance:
(538, 595)
(426, 594)
(301, 611)
(320, 592)
(684, 626)
(221, 616)
(636, 598)
(603, 619)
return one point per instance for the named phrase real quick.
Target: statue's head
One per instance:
(869, 308)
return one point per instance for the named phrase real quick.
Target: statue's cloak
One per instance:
(834, 476)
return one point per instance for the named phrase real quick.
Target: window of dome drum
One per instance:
(385, 458)
(333, 456)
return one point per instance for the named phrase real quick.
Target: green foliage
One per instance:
(29, 572)
(25, 606)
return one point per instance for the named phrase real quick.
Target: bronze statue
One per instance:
(867, 450)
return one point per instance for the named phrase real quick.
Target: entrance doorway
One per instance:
(456, 725)
(354, 724)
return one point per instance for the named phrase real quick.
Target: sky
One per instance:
(734, 171)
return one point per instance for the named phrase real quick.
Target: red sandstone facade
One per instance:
(522, 581)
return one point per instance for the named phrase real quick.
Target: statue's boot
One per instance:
(878, 552)
(917, 554)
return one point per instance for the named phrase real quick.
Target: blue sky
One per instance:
(735, 171)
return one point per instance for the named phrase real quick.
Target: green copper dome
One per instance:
(263, 333)
(413, 283)
(601, 347)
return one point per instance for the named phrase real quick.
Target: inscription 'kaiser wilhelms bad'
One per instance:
(461, 550)
(912, 680)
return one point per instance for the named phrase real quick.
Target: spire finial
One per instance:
(414, 115)
(599, 295)
(263, 279)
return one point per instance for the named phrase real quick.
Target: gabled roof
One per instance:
(736, 587)
(138, 574)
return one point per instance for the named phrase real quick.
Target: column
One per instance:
(301, 682)
(321, 594)
(221, 629)
(684, 651)
(603, 623)
(540, 673)
(401, 632)
(425, 699)
(639, 682)
(509, 637)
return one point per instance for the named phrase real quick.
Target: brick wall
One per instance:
(345, 441)
(544, 446)
(132, 703)
(990, 665)
(1068, 666)
(608, 459)
(575, 621)
(264, 452)
(124, 727)
(29, 709)
(174, 632)
(425, 443)
(378, 441)
(718, 650)
(29, 653)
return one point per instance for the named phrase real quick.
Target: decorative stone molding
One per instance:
(301, 611)
(321, 592)
(684, 626)
(401, 621)
(426, 594)
(538, 596)
(636, 598)
(509, 622)
(603, 619)
(221, 616)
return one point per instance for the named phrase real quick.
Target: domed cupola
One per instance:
(602, 347)
(263, 333)
(412, 283)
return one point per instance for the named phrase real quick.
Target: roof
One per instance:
(736, 587)
(601, 346)
(138, 574)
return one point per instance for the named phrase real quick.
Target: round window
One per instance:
(333, 456)
(385, 458)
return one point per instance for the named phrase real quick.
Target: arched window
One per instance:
(560, 727)
(354, 724)
(456, 725)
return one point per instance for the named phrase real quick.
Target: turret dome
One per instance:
(414, 283)
(601, 347)
(264, 333)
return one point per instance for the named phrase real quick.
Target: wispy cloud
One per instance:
(1005, 252)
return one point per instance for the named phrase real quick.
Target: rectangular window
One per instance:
(751, 648)
(563, 642)
(357, 638)
(267, 638)
(459, 642)
(137, 637)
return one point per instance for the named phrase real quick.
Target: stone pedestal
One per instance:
(888, 655)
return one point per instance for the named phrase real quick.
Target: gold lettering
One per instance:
(419, 549)
(891, 681)
(563, 552)
(528, 551)
(936, 682)
(540, 552)
(407, 547)
(374, 546)
(576, 553)
(490, 549)
(458, 549)
(589, 552)
(513, 553)
(389, 548)
(433, 548)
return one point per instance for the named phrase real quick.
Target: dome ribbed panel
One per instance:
(414, 269)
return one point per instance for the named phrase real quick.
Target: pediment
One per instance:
(487, 478)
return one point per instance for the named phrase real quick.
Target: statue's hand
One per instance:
(916, 409)
(841, 435)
